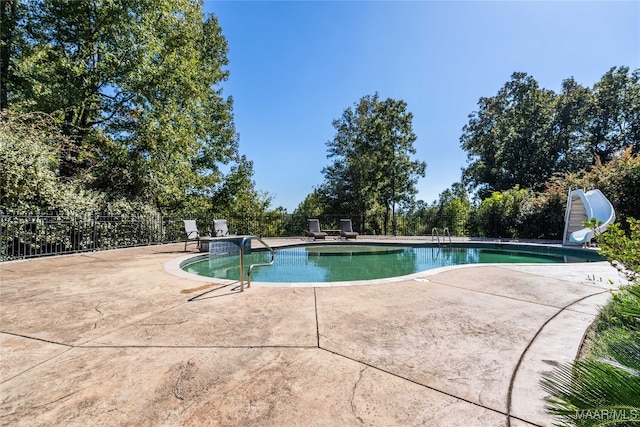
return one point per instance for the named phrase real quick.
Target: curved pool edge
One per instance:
(174, 267)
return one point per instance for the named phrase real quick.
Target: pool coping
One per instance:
(174, 267)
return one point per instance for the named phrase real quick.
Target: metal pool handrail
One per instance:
(242, 240)
(434, 232)
(273, 255)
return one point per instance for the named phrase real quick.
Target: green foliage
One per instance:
(372, 167)
(500, 214)
(598, 391)
(525, 135)
(236, 196)
(614, 123)
(509, 131)
(621, 312)
(312, 206)
(452, 210)
(619, 180)
(29, 158)
(135, 86)
(10, 12)
(623, 249)
(604, 387)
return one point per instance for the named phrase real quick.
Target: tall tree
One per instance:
(135, 84)
(570, 128)
(372, 158)
(237, 195)
(615, 113)
(525, 134)
(508, 139)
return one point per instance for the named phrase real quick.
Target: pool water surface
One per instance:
(339, 263)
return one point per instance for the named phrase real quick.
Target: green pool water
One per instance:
(340, 262)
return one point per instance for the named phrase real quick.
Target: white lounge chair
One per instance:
(192, 233)
(220, 227)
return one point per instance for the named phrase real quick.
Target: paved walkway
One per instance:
(111, 339)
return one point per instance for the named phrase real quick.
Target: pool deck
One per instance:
(112, 339)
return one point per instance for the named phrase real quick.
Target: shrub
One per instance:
(603, 388)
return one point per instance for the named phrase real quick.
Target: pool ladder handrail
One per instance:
(264, 264)
(445, 232)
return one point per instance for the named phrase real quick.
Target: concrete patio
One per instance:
(112, 339)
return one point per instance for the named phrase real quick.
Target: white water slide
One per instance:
(582, 207)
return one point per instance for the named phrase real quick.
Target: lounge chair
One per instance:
(346, 229)
(191, 230)
(314, 229)
(220, 227)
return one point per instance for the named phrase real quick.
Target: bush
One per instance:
(500, 214)
(603, 388)
(29, 157)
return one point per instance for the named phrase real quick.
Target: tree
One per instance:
(236, 197)
(28, 161)
(570, 128)
(500, 214)
(615, 114)
(312, 206)
(372, 158)
(524, 135)
(135, 86)
(453, 209)
(507, 140)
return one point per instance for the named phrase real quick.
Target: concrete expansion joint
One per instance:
(38, 339)
(531, 341)
(385, 371)
(493, 294)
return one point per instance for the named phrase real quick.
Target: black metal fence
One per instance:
(35, 235)
(27, 236)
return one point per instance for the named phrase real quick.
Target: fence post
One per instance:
(94, 237)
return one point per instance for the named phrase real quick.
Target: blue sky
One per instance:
(296, 66)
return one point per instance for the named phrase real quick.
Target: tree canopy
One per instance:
(372, 158)
(525, 134)
(135, 88)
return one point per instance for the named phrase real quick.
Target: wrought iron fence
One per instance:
(35, 235)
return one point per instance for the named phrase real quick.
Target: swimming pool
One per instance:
(353, 262)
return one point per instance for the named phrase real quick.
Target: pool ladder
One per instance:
(445, 232)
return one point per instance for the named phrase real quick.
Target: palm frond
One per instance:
(582, 393)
